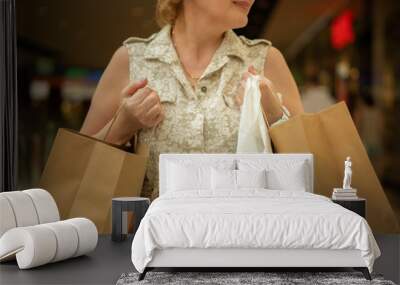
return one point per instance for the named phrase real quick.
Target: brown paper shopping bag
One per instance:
(83, 174)
(332, 136)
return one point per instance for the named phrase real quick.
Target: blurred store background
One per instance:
(336, 49)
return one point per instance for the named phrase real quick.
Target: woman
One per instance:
(180, 87)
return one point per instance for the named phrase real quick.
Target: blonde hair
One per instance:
(167, 11)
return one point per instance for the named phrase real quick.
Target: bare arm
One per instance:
(278, 72)
(107, 97)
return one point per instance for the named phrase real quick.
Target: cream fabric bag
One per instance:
(253, 134)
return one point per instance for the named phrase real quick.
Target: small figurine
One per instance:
(347, 174)
(347, 192)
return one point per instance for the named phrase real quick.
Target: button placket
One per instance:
(201, 89)
(199, 120)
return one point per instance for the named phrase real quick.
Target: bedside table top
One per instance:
(130, 199)
(349, 200)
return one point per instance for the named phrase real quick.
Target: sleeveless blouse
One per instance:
(203, 119)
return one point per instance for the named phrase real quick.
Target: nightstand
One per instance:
(120, 206)
(358, 205)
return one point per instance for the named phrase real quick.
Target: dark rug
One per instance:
(270, 278)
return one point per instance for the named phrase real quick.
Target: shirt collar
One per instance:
(162, 48)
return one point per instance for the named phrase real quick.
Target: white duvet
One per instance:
(253, 218)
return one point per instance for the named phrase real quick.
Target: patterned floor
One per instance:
(243, 278)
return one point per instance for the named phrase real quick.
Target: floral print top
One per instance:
(200, 119)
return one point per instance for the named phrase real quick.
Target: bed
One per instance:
(245, 211)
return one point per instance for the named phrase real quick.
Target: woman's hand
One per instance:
(141, 106)
(269, 101)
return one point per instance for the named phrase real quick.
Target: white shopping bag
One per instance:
(253, 134)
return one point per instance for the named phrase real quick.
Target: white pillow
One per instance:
(251, 178)
(236, 179)
(223, 179)
(182, 177)
(281, 174)
(184, 174)
(291, 179)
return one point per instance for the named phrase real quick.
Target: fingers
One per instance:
(159, 117)
(144, 107)
(141, 95)
(149, 100)
(154, 116)
(266, 84)
(133, 87)
(252, 70)
(246, 75)
(154, 112)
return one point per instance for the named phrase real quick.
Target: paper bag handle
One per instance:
(133, 139)
(265, 116)
(113, 120)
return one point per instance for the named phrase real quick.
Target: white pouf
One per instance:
(87, 233)
(26, 208)
(31, 232)
(67, 240)
(33, 246)
(41, 244)
(7, 218)
(46, 207)
(23, 208)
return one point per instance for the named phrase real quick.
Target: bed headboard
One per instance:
(165, 157)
